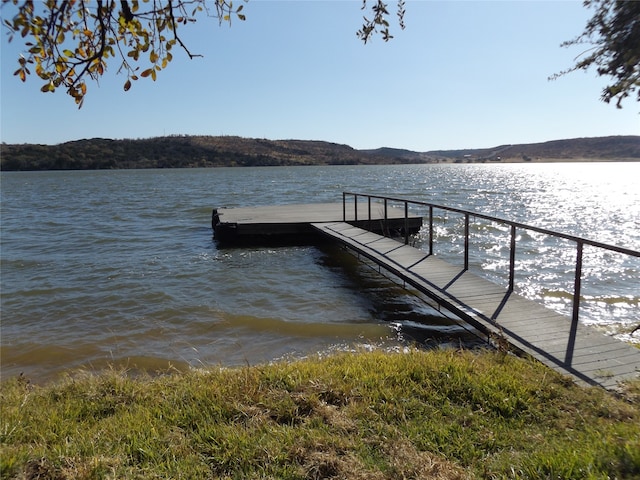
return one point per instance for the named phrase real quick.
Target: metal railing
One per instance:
(514, 227)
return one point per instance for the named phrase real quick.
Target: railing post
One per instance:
(576, 305)
(466, 241)
(355, 202)
(369, 205)
(512, 258)
(344, 206)
(578, 282)
(406, 223)
(385, 211)
(430, 229)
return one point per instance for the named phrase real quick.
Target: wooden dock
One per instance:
(562, 343)
(292, 223)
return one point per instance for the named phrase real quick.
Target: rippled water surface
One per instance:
(119, 267)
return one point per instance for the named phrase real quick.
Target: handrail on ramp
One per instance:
(514, 227)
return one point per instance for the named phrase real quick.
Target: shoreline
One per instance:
(441, 162)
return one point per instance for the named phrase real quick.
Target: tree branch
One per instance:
(174, 28)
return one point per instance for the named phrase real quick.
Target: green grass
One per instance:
(375, 415)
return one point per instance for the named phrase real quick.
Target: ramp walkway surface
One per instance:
(569, 347)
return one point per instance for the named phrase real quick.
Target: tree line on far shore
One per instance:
(183, 151)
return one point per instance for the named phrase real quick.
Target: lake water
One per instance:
(119, 267)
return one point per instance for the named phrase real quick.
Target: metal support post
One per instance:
(430, 229)
(466, 241)
(355, 202)
(406, 223)
(576, 305)
(344, 207)
(512, 258)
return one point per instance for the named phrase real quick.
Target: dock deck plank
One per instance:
(591, 356)
(253, 224)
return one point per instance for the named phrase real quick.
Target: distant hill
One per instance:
(184, 151)
(621, 148)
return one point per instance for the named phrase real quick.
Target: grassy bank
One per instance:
(441, 414)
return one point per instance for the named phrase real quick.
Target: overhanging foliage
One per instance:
(612, 40)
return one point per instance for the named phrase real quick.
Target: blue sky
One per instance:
(463, 74)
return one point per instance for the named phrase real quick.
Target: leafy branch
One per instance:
(612, 40)
(379, 23)
(71, 40)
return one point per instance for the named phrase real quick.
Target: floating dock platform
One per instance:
(292, 223)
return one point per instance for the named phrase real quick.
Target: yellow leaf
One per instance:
(147, 72)
(48, 87)
(127, 85)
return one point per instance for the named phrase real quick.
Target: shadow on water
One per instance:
(412, 317)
